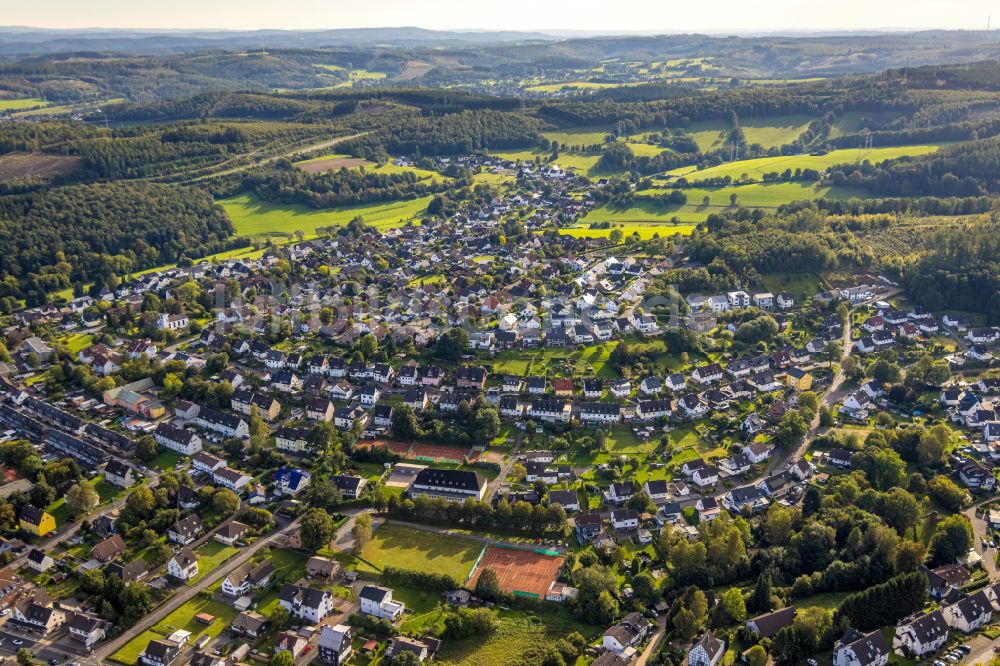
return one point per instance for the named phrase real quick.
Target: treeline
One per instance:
(750, 102)
(70, 234)
(969, 169)
(960, 131)
(897, 206)
(339, 188)
(451, 134)
(519, 517)
(214, 105)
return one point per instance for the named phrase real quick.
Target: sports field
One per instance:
(520, 571)
(431, 552)
(255, 218)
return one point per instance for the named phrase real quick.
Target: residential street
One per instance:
(185, 593)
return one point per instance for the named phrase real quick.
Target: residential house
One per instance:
(707, 651)
(377, 601)
(857, 649)
(183, 566)
(920, 636)
(305, 603)
(231, 532)
(36, 521)
(335, 644)
(185, 530)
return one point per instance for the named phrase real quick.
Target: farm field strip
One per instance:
(756, 168)
(255, 218)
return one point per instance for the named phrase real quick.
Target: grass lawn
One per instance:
(386, 168)
(210, 556)
(165, 460)
(407, 548)
(516, 632)
(428, 610)
(828, 600)
(182, 618)
(289, 564)
(645, 230)
(252, 217)
(59, 511)
(106, 490)
(129, 653)
(77, 341)
(585, 164)
(591, 360)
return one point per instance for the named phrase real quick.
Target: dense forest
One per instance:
(449, 134)
(339, 188)
(71, 234)
(960, 271)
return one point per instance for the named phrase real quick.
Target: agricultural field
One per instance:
(408, 548)
(769, 132)
(35, 165)
(337, 161)
(21, 104)
(577, 85)
(332, 163)
(755, 169)
(646, 230)
(255, 218)
(851, 122)
(585, 164)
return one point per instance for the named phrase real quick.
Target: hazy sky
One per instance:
(642, 15)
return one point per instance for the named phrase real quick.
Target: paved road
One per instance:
(494, 487)
(186, 593)
(982, 650)
(343, 540)
(66, 532)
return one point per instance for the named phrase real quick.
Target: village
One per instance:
(246, 437)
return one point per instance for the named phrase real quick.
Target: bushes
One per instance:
(469, 622)
(419, 579)
(372, 623)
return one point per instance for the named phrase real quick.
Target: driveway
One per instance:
(980, 530)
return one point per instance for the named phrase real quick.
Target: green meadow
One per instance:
(255, 218)
(754, 169)
(769, 132)
(21, 104)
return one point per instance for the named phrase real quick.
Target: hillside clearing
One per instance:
(254, 218)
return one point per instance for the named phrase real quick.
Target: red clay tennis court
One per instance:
(520, 571)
